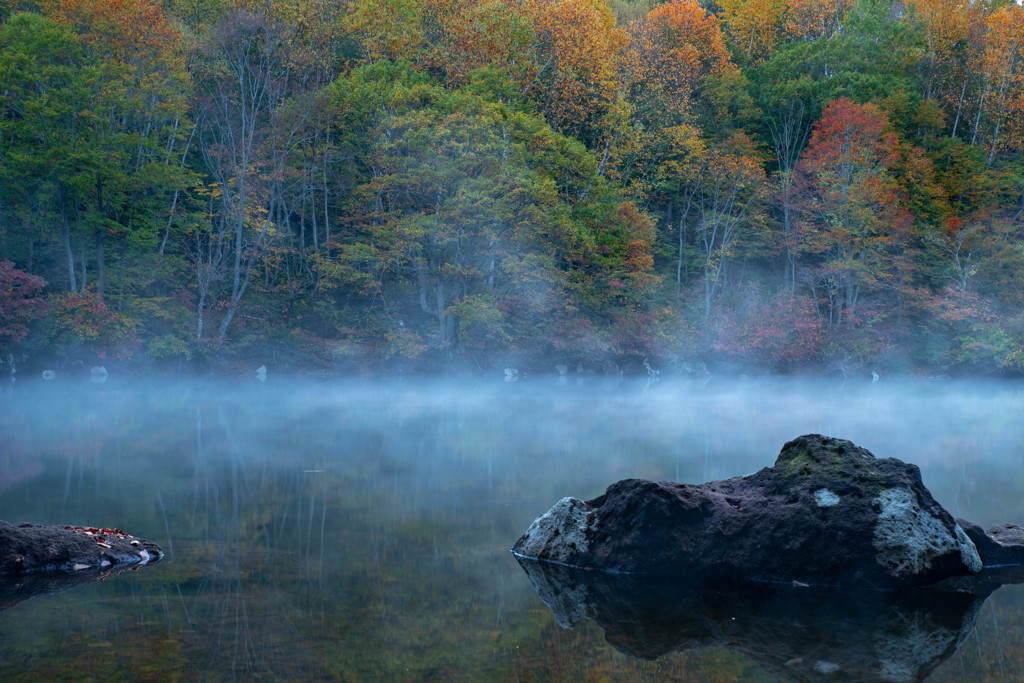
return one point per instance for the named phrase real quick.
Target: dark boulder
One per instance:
(33, 548)
(1000, 546)
(827, 513)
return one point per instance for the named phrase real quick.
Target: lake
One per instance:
(360, 531)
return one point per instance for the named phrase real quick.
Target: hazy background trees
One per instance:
(327, 185)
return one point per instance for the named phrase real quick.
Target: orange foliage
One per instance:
(813, 19)
(562, 54)
(578, 45)
(850, 139)
(387, 29)
(954, 32)
(477, 33)
(854, 212)
(318, 27)
(674, 50)
(945, 22)
(759, 26)
(1004, 73)
(975, 66)
(132, 32)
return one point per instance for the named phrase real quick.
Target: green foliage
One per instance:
(477, 210)
(169, 346)
(408, 182)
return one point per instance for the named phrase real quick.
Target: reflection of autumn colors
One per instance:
(14, 470)
(361, 531)
(20, 459)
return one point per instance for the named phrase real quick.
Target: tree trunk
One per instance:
(959, 107)
(327, 222)
(787, 231)
(442, 322)
(981, 108)
(81, 249)
(66, 236)
(201, 306)
(101, 239)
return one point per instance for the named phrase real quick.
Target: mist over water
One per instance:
(360, 530)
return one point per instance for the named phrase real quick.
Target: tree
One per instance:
(20, 302)
(756, 27)
(447, 202)
(82, 325)
(495, 227)
(730, 186)
(947, 27)
(1003, 74)
(810, 20)
(92, 117)
(48, 154)
(387, 29)
(791, 89)
(141, 122)
(577, 47)
(853, 214)
(468, 35)
(955, 242)
(759, 27)
(245, 143)
(677, 47)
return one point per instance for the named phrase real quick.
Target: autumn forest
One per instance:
(367, 186)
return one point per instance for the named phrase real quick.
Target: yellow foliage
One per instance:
(758, 27)
(674, 50)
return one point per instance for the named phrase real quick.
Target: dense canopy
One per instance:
(371, 185)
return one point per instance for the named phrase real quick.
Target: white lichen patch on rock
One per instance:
(907, 539)
(826, 498)
(824, 667)
(968, 551)
(560, 534)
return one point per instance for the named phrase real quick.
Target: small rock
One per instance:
(31, 548)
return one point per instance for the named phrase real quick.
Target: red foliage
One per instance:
(640, 334)
(85, 320)
(788, 331)
(20, 301)
(852, 198)
(785, 331)
(956, 307)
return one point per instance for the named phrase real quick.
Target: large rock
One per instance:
(71, 549)
(827, 513)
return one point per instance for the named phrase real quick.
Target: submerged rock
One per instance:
(827, 513)
(36, 548)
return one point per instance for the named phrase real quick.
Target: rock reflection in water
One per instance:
(794, 632)
(17, 588)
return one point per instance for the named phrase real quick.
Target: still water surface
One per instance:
(343, 531)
